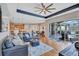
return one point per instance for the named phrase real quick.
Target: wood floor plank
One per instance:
(57, 47)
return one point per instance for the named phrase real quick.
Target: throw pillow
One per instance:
(27, 35)
(8, 44)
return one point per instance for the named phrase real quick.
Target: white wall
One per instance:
(30, 27)
(5, 11)
(5, 16)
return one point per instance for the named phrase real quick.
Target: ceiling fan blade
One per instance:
(41, 11)
(51, 8)
(37, 8)
(49, 5)
(43, 5)
(48, 11)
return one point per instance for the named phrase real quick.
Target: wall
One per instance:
(30, 27)
(17, 26)
(5, 16)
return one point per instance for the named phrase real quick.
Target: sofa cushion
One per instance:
(8, 44)
(18, 42)
(21, 36)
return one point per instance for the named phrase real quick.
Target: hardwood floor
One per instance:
(58, 46)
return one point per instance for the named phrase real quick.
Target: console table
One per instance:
(69, 51)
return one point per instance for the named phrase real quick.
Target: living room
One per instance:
(44, 29)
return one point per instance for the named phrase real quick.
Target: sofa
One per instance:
(9, 48)
(20, 50)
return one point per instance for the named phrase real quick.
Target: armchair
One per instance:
(26, 37)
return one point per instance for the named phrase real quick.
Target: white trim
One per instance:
(77, 9)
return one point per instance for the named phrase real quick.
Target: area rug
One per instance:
(39, 50)
(55, 37)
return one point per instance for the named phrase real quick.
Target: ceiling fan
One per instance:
(44, 9)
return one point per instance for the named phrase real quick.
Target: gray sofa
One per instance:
(9, 49)
(19, 50)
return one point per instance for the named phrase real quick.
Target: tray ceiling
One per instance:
(30, 7)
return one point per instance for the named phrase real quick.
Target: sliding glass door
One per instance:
(70, 27)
